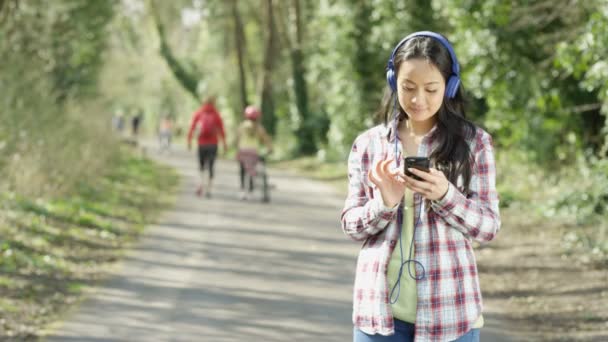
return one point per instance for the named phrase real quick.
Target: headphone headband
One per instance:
(454, 80)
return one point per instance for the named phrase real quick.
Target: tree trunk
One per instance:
(306, 140)
(240, 43)
(363, 57)
(267, 106)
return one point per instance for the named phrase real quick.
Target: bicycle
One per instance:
(262, 176)
(255, 168)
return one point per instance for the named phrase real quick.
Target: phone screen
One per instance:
(420, 163)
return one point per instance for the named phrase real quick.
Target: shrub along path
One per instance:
(52, 249)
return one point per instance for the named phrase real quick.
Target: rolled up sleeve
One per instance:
(477, 214)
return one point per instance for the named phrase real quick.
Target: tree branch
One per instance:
(187, 80)
(585, 107)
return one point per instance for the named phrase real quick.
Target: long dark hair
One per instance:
(452, 155)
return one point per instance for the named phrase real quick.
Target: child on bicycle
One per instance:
(250, 138)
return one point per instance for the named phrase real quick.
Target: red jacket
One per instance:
(207, 109)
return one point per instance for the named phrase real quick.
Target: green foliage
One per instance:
(508, 53)
(61, 41)
(50, 249)
(76, 38)
(587, 201)
(346, 69)
(51, 59)
(585, 61)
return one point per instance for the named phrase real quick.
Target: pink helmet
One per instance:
(252, 112)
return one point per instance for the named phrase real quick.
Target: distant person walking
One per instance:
(118, 123)
(209, 128)
(135, 125)
(250, 139)
(416, 275)
(165, 132)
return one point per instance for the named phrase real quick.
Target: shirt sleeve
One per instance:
(362, 216)
(477, 214)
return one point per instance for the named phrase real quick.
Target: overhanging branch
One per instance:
(186, 79)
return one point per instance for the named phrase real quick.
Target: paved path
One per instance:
(221, 269)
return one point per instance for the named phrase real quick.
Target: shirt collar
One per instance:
(389, 132)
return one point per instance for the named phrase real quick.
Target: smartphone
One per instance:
(420, 163)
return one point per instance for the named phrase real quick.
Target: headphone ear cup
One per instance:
(452, 86)
(390, 79)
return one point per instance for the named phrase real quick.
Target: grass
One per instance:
(334, 173)
(51, 249)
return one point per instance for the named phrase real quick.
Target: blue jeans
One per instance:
(404, 332)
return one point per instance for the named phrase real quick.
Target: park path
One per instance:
(222, 269)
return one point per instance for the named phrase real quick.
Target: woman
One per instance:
(209, 128)
(416, 276)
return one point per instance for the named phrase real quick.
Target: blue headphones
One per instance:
(453, 82)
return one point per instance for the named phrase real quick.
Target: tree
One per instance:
(270, 53)
(508, 51)
(51, 60)
(239, 41)
(305, 134)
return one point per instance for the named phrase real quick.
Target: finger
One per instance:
(396, 173)
(372, 178)
(423, 191)
(379, 169)
(418, 186)
(422, 174)
(386, 166)
(398, 178)
(382, 170)
(393, 174)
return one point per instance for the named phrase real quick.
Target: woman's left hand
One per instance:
(433, 186)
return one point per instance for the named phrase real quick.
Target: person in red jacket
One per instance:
(209, 128)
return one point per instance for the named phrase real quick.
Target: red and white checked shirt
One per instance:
(449, 297)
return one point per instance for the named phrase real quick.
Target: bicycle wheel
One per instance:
(265, 189)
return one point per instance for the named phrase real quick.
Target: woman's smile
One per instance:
(416, 110)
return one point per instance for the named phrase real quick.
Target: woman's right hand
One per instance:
(391, 183)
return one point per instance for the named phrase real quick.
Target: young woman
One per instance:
(416, 276)
(209, 128)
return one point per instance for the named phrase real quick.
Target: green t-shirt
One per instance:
(404, 308)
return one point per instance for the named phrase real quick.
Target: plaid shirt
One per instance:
(449, 297)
